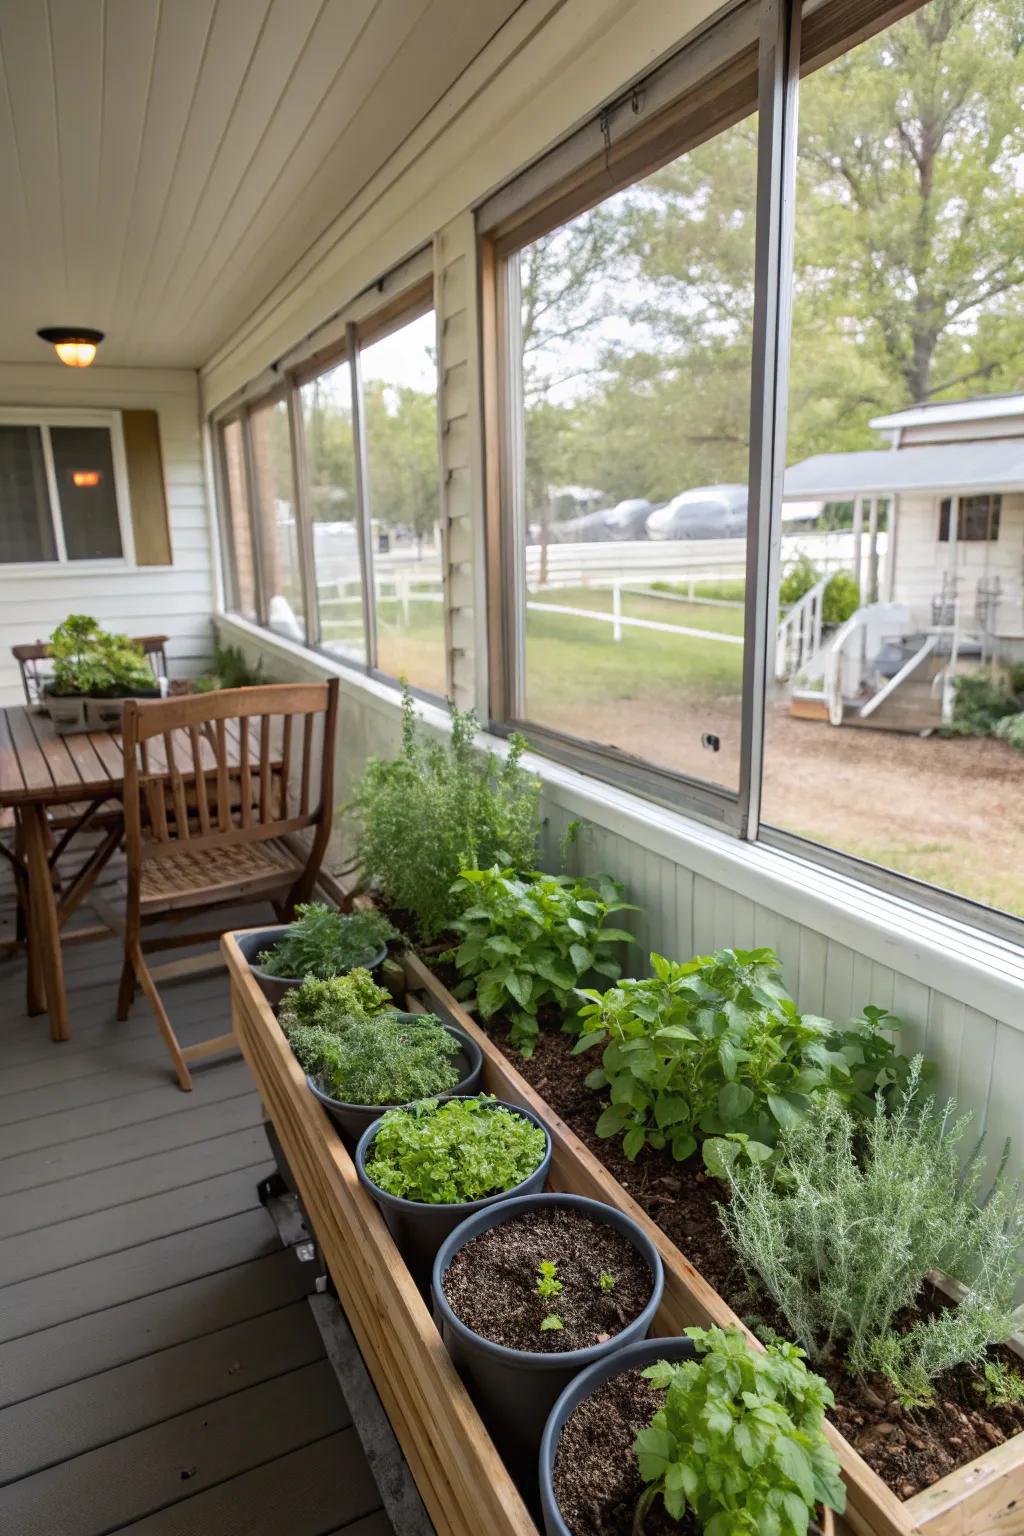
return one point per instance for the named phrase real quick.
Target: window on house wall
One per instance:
(399, 401)
(895, 652)
(241, 560)
(277, 518)
(334, 510)
(58, 493)
(630, 339)
(977, 518)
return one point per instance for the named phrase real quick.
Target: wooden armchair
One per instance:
(213, 786)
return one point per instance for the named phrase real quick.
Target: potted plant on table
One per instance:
(528, 1293)
(321, 942)
(94, 672)
(432, 1164)
(362, 1056)
(694, 1434)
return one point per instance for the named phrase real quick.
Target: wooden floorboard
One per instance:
(161, 1371)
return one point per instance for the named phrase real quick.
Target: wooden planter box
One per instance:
(461, 1478)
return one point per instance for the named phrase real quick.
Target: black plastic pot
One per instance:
(419, 1229)
(274, 988)
(635, 1357)
(515, 1389)
(353, 1119)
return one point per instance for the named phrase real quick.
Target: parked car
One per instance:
(708, 512)
(626, 520)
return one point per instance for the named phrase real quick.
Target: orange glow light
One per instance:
(77, 354)
(84, 477)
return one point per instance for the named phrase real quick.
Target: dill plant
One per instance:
(437, 808)
(389, 1059)
(843, 1234)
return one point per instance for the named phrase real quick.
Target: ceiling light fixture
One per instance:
(75, 345)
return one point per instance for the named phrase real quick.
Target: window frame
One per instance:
(965, 506)
(61, 565)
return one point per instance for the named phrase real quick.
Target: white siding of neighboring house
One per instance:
(971, 431)
(175, 600)
(921, 559)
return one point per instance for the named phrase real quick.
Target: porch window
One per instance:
(277, 522)
(327, 421)
(398, 374)
(977, 519)
(59, 500)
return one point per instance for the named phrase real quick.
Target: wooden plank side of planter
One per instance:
(463, 1481)
(984, 1498)
(872, 1507)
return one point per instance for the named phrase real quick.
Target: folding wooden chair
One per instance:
(212, 790)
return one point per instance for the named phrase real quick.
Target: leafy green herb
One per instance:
(740, 1440)
(551, 1322)
(606, 1280)
(843, 1234)
(439, 807)
(528, 940)
(89, 661)
(713, 1051)
(390, 1059)
(455, 1152)
(332, 1004)
(230, 670)
(323, 942)
(547, 1283)
(1004, 1388)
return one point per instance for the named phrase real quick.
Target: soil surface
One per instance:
(491, 1283)
(596, 1480)
(909, 1448)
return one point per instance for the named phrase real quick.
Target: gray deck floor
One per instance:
(161, 1369)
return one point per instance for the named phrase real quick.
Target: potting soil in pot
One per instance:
(597, 1482)
(491, 1283)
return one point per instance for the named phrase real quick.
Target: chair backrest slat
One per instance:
(266, 810)
(199, 769)
(245, 774)
(307, 757)
(223, 780)
(286, 764)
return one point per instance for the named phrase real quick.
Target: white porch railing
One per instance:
(798, 637)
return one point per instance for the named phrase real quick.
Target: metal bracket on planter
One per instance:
(271, 1188)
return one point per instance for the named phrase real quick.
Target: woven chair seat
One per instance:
(211, 874)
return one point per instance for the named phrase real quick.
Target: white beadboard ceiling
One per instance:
(164, 163)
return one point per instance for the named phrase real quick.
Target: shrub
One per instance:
(844, 1238)
(89, 661)
(454, 1152)
(1011, 729)
(798, 581)
(980, 701)
(840, 599)
(389, 1059)
(740, 1440)
(528, 940)
(323, 942)
(333, 1003)
(714, 1051)
(230, 670)
(438, 808)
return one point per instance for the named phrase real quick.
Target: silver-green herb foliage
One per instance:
(439, 807)
(739, 1440)
(529, 940)
(323, 942)
(454, 1152)
(843, 1234)
(713, 1052)
(389, 1059)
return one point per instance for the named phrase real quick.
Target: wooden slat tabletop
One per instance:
(39, 766)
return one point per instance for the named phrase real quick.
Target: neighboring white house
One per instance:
(965, 455)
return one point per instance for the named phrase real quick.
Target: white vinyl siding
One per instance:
(921, 558)
(175, 600)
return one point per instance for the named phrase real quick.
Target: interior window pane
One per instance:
(275, 511)
(900, 644)
(239, 513)
(83, 464)
(400, 409)
(330, 458)
(636, 344)
(26, 530)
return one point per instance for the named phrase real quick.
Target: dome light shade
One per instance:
(75, 345)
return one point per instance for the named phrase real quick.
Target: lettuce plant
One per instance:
(323, 942)
(528, 940)
(739, 1440)
(333, 1003)
(713, 1051)
(454, 1152)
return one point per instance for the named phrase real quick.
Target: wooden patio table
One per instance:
(41, 772)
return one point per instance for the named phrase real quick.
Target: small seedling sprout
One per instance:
(547, 1282)
(551, 1322)
(606, 1280)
